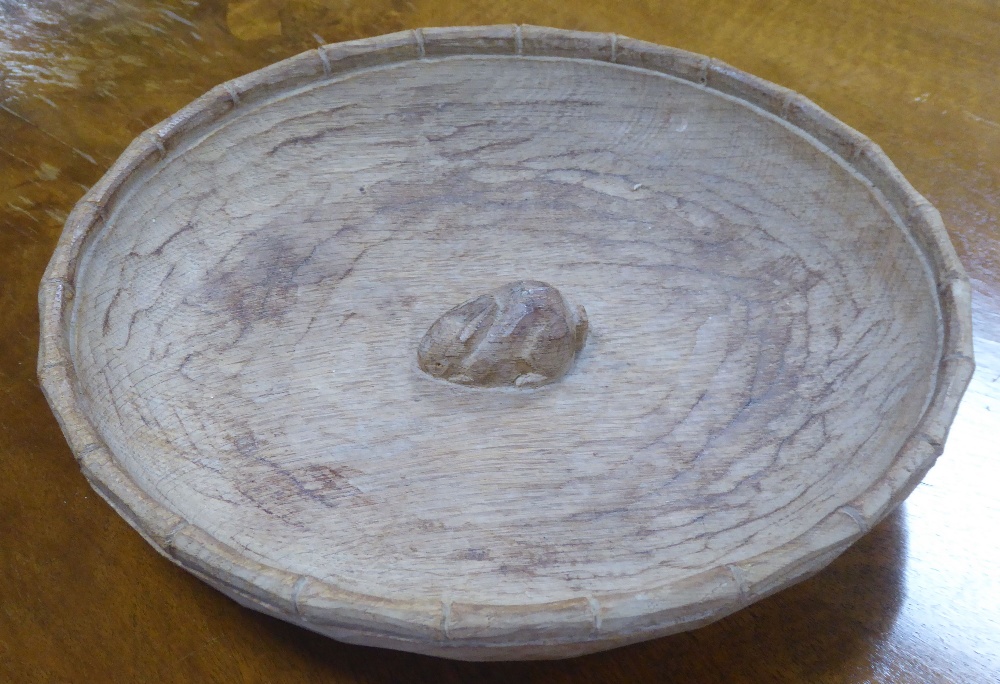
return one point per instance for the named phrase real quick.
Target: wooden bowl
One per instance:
(779, 335)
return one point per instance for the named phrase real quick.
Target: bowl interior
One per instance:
(764, 332)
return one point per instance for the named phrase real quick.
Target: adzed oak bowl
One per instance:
(778, 337)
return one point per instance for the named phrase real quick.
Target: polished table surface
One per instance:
(84, 599)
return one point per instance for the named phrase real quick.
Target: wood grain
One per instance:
(779, 339)
(85, 599)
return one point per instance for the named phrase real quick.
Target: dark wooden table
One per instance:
(84, 599)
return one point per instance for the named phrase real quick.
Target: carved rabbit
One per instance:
(522, 334)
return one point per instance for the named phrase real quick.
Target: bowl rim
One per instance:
(505, 631)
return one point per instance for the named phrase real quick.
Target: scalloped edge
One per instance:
(504, 632)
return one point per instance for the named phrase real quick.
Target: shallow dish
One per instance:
(778, 337)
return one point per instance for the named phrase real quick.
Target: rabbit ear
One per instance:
(481, 320)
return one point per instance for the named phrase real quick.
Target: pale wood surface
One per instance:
(86, 599)
(230, 326)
